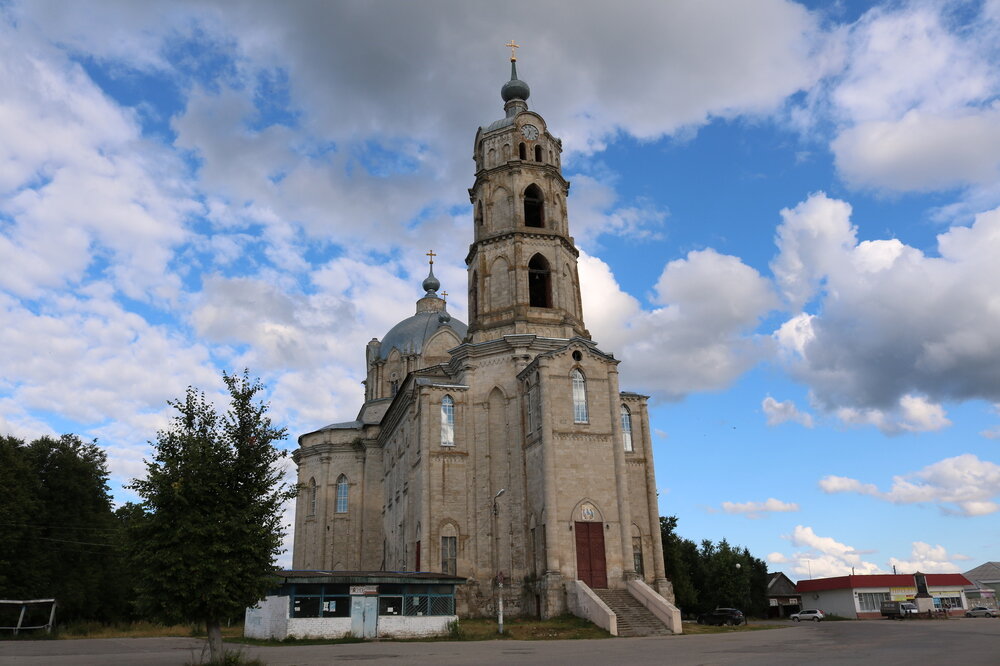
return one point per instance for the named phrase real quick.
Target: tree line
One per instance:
(708, 575)
(200, 545)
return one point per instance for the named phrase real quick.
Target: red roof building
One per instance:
(862, 596)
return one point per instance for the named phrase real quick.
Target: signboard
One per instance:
(358, 590)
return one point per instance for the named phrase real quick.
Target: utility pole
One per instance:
(496, 531)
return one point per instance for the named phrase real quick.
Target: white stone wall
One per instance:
(267, 620)
(404, 626)
(832, 602)
(319, 627)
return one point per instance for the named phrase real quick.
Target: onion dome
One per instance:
(515, 88)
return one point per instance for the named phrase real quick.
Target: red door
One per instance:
(591, 567)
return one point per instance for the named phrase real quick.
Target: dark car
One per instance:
(721, 616)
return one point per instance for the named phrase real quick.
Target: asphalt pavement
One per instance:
(970, 642)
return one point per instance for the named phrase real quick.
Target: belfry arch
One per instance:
(534, 206)
(539, 282)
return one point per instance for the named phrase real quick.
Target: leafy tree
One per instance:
(59, 527)
(205, 536)
(710, 575)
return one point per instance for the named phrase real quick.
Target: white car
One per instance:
(811, 614)
(980, 611)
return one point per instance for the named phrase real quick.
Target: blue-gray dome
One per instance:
(410, 335)
(515, 88)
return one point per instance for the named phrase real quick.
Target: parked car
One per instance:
(980, 611)
(811, 614)
(721, 616)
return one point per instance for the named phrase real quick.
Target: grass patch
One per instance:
(263, 642)
(563, 627)
(691, 628)
(140, 630)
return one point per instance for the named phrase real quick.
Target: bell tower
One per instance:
(522, 262)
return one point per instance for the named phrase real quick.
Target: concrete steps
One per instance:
(633, 618)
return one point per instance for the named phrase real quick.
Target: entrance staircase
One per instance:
(633, 618)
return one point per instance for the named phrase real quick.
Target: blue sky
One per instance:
(789, 218)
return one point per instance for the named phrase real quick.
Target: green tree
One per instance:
(208, 528)
(710, 575)
(59, 527)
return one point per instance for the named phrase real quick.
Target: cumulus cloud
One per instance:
(755, 510)
(895, 332)
(912, 96)
(701, 337)
(926, 558)
(784, 412)
(963, 485)
(822, 556)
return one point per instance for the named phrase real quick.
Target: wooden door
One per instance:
(591, 566)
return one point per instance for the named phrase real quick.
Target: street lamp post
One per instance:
(496, 526)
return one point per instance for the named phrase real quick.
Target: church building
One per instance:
(502, 450)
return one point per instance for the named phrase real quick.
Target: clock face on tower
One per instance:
(530, 132)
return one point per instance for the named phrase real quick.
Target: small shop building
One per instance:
(861, 597)
(336, 604)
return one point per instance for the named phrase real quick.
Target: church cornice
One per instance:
(570, 345)
(516, 165)
(534, 234)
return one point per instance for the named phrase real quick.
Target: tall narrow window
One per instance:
(522, 152)
(538, 153)
(539, 282)
(579, 397)
(449, 554)
(534, 207)
(342, 488)
(447, 421)
(474, 296)
(479, 213)
(626, 428)
(312, 497)
(637, 555)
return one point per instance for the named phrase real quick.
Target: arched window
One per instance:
(522, 151)
(539, 282)
(449, 549)
(538, 153)
(637, 551)
(312, 497)
(534, 207)
(342, 488)
(626, 428)
(579, 397)
(447, 421)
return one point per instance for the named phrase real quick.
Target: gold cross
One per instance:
(444, 294)
(431, 255)
(512, 46)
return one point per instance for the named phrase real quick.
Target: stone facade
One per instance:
(505, 446)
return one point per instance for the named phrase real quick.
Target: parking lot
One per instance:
(971, 642)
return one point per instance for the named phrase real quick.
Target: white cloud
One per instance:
(911, 94)
(823, 557)
(928, 559)
(895, 332)
(754, 510)
(963, 484)
(783, 412)
(922, 152)
(701, 338)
